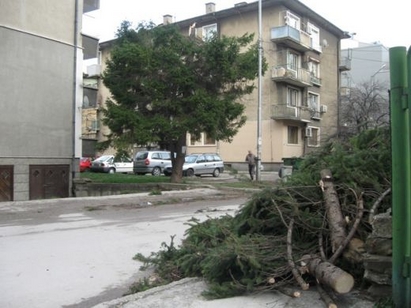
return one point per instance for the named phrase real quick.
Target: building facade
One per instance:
(300, 91)
(41, 52)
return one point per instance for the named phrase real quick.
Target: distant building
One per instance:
(365, 84)
(300, 92)
(369, 62)
(41, 53)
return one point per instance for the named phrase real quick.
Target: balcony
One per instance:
(91, 5)
(285, 112)
(345, 91)
(299, 77)
(345, 64)
(316, 81)
(292, 37)
(94, 70)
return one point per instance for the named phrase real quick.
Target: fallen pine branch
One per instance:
(325, 297)
(295, 272)
(289, 292)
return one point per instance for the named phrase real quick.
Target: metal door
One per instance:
(49, 181)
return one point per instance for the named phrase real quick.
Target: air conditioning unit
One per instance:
(323, 108)
(308, 132)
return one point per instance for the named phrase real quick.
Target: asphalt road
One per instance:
(78, 252)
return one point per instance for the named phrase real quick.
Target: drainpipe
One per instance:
(73, 129)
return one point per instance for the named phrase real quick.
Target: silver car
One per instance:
(111, 164)
(199, 164)
(151, 162)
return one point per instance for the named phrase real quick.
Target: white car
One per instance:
(110, 164)
(199, 164)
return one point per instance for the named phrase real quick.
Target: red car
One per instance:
(85, 164)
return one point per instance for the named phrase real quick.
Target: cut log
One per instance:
(354, 244)
(328, 274)
(335, 218)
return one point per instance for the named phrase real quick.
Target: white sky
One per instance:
(387, 22)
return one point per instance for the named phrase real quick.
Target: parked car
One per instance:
(199, 164)
(151, 162)
(85, 164)
(111, 164)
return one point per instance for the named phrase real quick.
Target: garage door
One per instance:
(49, 181)
(6, 183)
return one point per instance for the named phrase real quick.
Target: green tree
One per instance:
(165, 84)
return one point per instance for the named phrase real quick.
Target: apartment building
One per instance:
(300, 91)
(41, 53)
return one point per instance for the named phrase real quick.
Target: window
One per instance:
(314, 68)
(314, 140)
(313, 101)
(292, 135)
(293, 97)
(209, 31)
(208, 140)
(293, 61)
(315, 36)
(292, 20)
(203, 140)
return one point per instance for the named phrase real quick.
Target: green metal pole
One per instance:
(400, 77)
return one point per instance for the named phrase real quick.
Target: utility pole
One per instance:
(260, 64)
(400, 107)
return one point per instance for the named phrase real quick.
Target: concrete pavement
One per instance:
(186, 293)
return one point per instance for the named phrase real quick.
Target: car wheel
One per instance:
(216, 173)
(111, 170)
(156, 171)
(190, 172)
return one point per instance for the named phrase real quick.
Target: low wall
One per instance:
(85, 188)
(378, 259)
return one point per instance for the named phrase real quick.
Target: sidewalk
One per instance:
(186, 293)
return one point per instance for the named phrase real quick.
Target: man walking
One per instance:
(250, 159)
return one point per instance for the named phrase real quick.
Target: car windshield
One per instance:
(191, 159)
(103, 158)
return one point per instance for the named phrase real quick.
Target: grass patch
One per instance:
(155, 192)
(123, 178)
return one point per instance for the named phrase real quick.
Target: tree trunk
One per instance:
(177, 159)
(335, 218)
(328, 274)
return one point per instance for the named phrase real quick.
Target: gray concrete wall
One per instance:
(41, 17)
(37, 96)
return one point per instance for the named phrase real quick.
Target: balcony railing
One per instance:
(345, 64)
(315, 80)
(299, 77)
(292, 37)
(286, 112)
